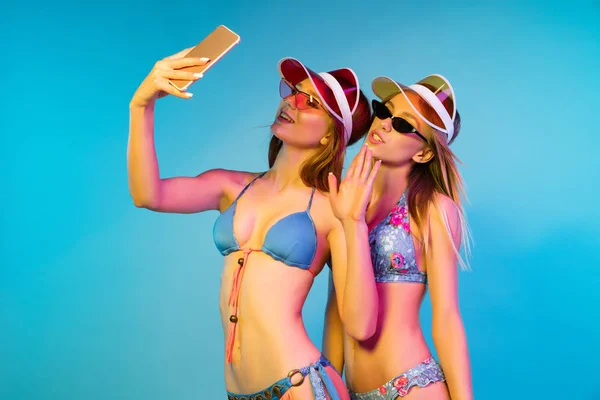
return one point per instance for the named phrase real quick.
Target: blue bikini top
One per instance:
(392, 248)
(291, 240)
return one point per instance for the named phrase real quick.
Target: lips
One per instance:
(375, 137)
(285, 117)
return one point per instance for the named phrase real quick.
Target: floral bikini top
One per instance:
(392, 248)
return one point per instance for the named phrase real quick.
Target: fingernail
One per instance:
(198, 75)
(206, 59)
(188, 94)
(331, 173)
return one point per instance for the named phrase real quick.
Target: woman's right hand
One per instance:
(349, 201)
(156, 84)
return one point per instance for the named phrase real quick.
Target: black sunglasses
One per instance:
(399, 124)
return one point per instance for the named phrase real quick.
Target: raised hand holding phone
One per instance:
(174, 74)
(214, 47)
(156, 84)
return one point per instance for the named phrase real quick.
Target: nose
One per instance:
(386, 124)
(291, 101)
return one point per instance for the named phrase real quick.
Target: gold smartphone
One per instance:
(214, 47)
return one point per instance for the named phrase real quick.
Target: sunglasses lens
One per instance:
(284, 89)
(303, 102)
(402, 126)
(380, 110)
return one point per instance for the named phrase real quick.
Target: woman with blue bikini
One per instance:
(275, 227)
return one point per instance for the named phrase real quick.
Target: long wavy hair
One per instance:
(438, 176)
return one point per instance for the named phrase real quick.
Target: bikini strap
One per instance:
(311, 199)
(320, 381)
(404, 197)
(248, 185)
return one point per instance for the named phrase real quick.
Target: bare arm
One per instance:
(447, 327)
(351, 257)
(353, 277)
(176, 195)
(333, 332)
(147, 189)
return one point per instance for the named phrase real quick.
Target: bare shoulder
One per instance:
(235, 176)
(445, 213)
(231, 181)
(446, 204)
(228, 177)
(322, 201)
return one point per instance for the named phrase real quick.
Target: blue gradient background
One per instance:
(100, 300)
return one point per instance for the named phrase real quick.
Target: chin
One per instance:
(279, 131)
(287, 136)
(377, 154)
(385, 158)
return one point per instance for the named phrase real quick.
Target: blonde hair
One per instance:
(438, 176)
